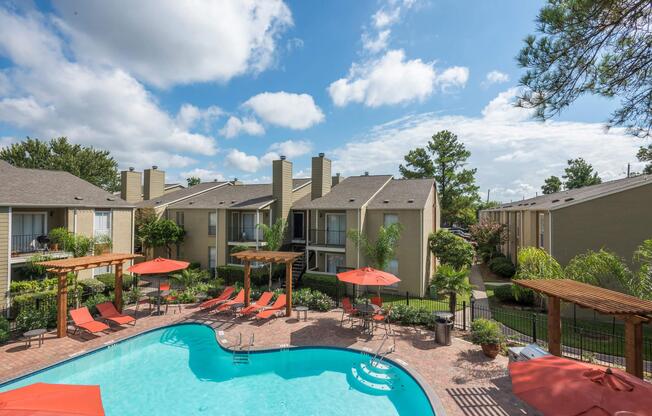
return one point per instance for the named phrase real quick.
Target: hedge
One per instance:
(324, 283)
(109, 280)
(502, 266)
(231, 274)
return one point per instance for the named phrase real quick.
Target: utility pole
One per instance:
(628, 169)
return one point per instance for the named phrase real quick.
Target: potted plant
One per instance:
(487, 334)
(58, 238)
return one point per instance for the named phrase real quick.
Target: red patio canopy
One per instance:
(52, 399)
(158, 266)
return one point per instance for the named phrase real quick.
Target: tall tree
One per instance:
(591, 47)
(579, 173)
(273, 236)
(444, 159)
(645, 155)
(551, 185)
(193, 180)
(88, 163)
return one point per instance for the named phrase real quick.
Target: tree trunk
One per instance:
(452, 303)
(269, 284)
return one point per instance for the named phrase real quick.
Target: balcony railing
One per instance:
(244, 234)
(331, 238)
(27, 243)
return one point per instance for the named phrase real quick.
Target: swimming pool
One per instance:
(181, 370)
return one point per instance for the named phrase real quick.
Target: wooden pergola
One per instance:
(286, 257)
(632, 310)
(74, 264)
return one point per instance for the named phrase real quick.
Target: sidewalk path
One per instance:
(479, 290)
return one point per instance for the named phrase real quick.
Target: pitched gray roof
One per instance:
(180, 194)
(51, 188)
(244, 196)
(352, 193)
(565, 198)
(403, 194)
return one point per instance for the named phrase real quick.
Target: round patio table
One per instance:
(158, 295)
(34, 333)
(300, 310)
(366, 310)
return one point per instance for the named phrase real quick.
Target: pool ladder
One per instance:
(378, 357)
(242, 357)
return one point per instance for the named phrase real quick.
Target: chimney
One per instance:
(131, 185)
(282, 187)
(336, 179)
(154, 183)
(321, 176)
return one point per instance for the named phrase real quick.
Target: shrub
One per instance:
(96, 299)
(232, 274)
(410, 315)
(451, 249)
(33, 318)
(4, 329)
(30, 286)
(324, 283)
(601, 269)
(502, 266)
(452, 282)
(535, 263)
(92, 285)
(485, 331)
(195, 265)
(185, 296)
(109, 281)
(312, 299)
(504, 293)
(131, 296)
(488, 235)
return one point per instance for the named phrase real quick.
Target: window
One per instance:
(542, 230)
(102, 225)
(333, 261)
(212, 258)
(297, 226)
(336, 229)
(180, 218)
(248, 226)
(25, 229)
(390, 219)
(392, 268)
(212, 223)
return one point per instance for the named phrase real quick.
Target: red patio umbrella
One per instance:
(368, 276)
(159, 266)
(41, 399)
(563, 387)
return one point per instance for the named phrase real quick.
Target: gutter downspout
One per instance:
(7, 298)
(550, 230)
(257, 223)
(217, 221)
(359, 231)
(421, 259)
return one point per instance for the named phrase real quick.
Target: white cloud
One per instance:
(294, 111)
(206, 175)
(513, 154)
(392, 79)
(189, 116)
(234, 126)
(376, 39)
(375, 43)
(166, 42)
(100, 106)
(291, 148)
(496, 77)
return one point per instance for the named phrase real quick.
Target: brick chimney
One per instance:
(131, 185)
(154, 185)
(321, 176)
(282, 187)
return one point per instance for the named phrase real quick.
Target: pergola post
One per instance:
(634, 346)
(288, 289)
(247, 282)
(118, 287)
(554, 326)
(62, 305)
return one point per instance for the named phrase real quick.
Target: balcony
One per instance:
(328, 238)
(244, 234)
(24, 246)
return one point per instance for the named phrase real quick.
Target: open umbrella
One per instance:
(157, 267)
(563, 387)
(368, 276)
(42, 399)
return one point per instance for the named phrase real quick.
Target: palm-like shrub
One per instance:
(273, 236)
(600, 268)
(451, 249)
(452, 282)
(190, 278)
(535, 263)
(381, 251)
(642, 283)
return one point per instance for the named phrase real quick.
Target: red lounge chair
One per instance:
(348, 309)
(82, 319)
(272, 310)
(108, 311)
(261, 303)
(239, 298)
(224, 296)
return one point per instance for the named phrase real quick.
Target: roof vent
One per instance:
(555, 200)
(131, 168)
(386, 201)
(191, 202)
(79, 198)
(215, 180)
(233, 202)
(282, 157)
(410, 201)
(568, 199)
(110, 198)
(221, 202)
(351, 199)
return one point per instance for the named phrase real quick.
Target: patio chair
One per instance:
(261, 303)
(171, 300)
(348, 310)
(382, 317)
(239, 298)
(274, 309)
(223, 297)
(377, 300)
(82, 320)
(110, 314)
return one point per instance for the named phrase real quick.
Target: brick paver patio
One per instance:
(466, 382)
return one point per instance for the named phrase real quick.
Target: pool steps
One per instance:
(374, 377)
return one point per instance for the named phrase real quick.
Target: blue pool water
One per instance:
(181, 370)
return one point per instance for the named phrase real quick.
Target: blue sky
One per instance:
(219, 89)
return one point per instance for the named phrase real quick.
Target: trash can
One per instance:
(443, 327)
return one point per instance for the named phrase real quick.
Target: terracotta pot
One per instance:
(491, 350)
(54, 246)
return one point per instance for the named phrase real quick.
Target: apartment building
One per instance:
(34, 201)
(614, 215)
(319, 210)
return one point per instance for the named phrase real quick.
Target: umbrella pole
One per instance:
(158, 298)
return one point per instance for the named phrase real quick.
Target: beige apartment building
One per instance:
(615, 215)
(320, 210)
(34, 201)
